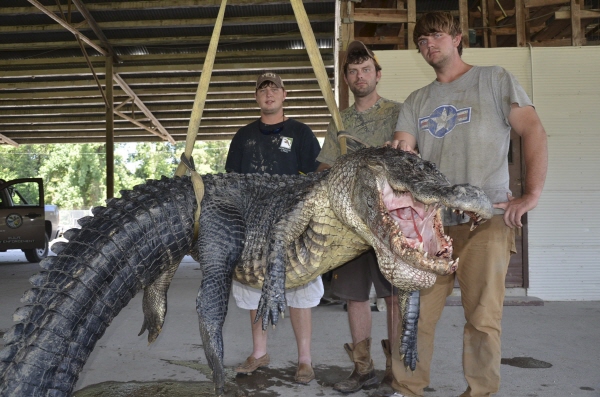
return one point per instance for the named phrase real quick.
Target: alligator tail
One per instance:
(126, 246)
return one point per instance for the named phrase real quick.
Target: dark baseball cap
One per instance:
(359, 46)
(269, 76)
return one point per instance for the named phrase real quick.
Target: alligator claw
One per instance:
(269, 308)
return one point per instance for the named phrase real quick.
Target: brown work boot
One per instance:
(363, 376)
(252, 364)
(304, 374)
(385, 386)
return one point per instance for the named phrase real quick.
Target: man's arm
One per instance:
(403, 141)
(527, 124)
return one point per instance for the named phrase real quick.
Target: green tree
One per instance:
(75, 174)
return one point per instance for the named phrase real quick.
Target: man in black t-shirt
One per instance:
(275, 144)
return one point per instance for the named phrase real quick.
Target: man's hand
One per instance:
(402, 145)
(514, 208)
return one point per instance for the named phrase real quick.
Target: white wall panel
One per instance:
(564, 84)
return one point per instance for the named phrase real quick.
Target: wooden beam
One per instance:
(379, 40)
(197, 58)
(346, 37)
(583, 14)
(463, 9)
(552, 43)
(148, 5)
(110, 131)
(288, 78)
(165, 23)
(542, 3)
(161, 131)
(96, 29)
(172, 68)
(166, 40)
(64, 24)
(491, 6)
(411, 7)
(380, 15)
(577, 37)
(521, 23)
(8, 141)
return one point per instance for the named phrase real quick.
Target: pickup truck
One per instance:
(25, 222)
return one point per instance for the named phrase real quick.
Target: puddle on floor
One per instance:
(236, 385)
(525, 362)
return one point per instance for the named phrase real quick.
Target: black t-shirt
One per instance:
(286, 148)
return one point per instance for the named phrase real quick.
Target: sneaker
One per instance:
(304, 374)
(252, 364)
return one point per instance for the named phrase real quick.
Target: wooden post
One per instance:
(411, 8)
(485, 23)
(521, 17)
(491, 14)
(110, 129)
(576, 34)
(463, 10)
(346, 37)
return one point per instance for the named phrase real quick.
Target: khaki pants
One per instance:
(484, 257)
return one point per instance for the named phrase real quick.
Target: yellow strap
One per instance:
(198, 185)
(202, 90)
(319, 68)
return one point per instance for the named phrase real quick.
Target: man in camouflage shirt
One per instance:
(370, 121)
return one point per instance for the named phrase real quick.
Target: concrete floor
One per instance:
(550, 350)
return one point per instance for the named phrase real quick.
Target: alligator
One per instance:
(280, 232)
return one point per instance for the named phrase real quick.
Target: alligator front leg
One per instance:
(154, 304)
(272, 301)
(409, 309)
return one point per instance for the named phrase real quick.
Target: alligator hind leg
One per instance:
(220, 243)
(211, 306)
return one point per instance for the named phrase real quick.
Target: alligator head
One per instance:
(394, 201)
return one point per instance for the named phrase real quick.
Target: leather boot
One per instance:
(385, 386)
(363, 376)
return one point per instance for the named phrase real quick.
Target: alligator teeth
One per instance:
(425, 256)
(421, 246)
(473, 226)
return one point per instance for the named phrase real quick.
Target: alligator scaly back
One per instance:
(123, 248)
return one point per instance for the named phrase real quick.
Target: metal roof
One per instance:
(48, 93)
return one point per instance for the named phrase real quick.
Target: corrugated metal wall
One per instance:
(564, 84)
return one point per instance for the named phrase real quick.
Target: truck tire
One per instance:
(35, 255)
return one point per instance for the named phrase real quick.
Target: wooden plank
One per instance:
(583, 14)
(380, 15)
(542, 3)
(379, 40)
(552, 43)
